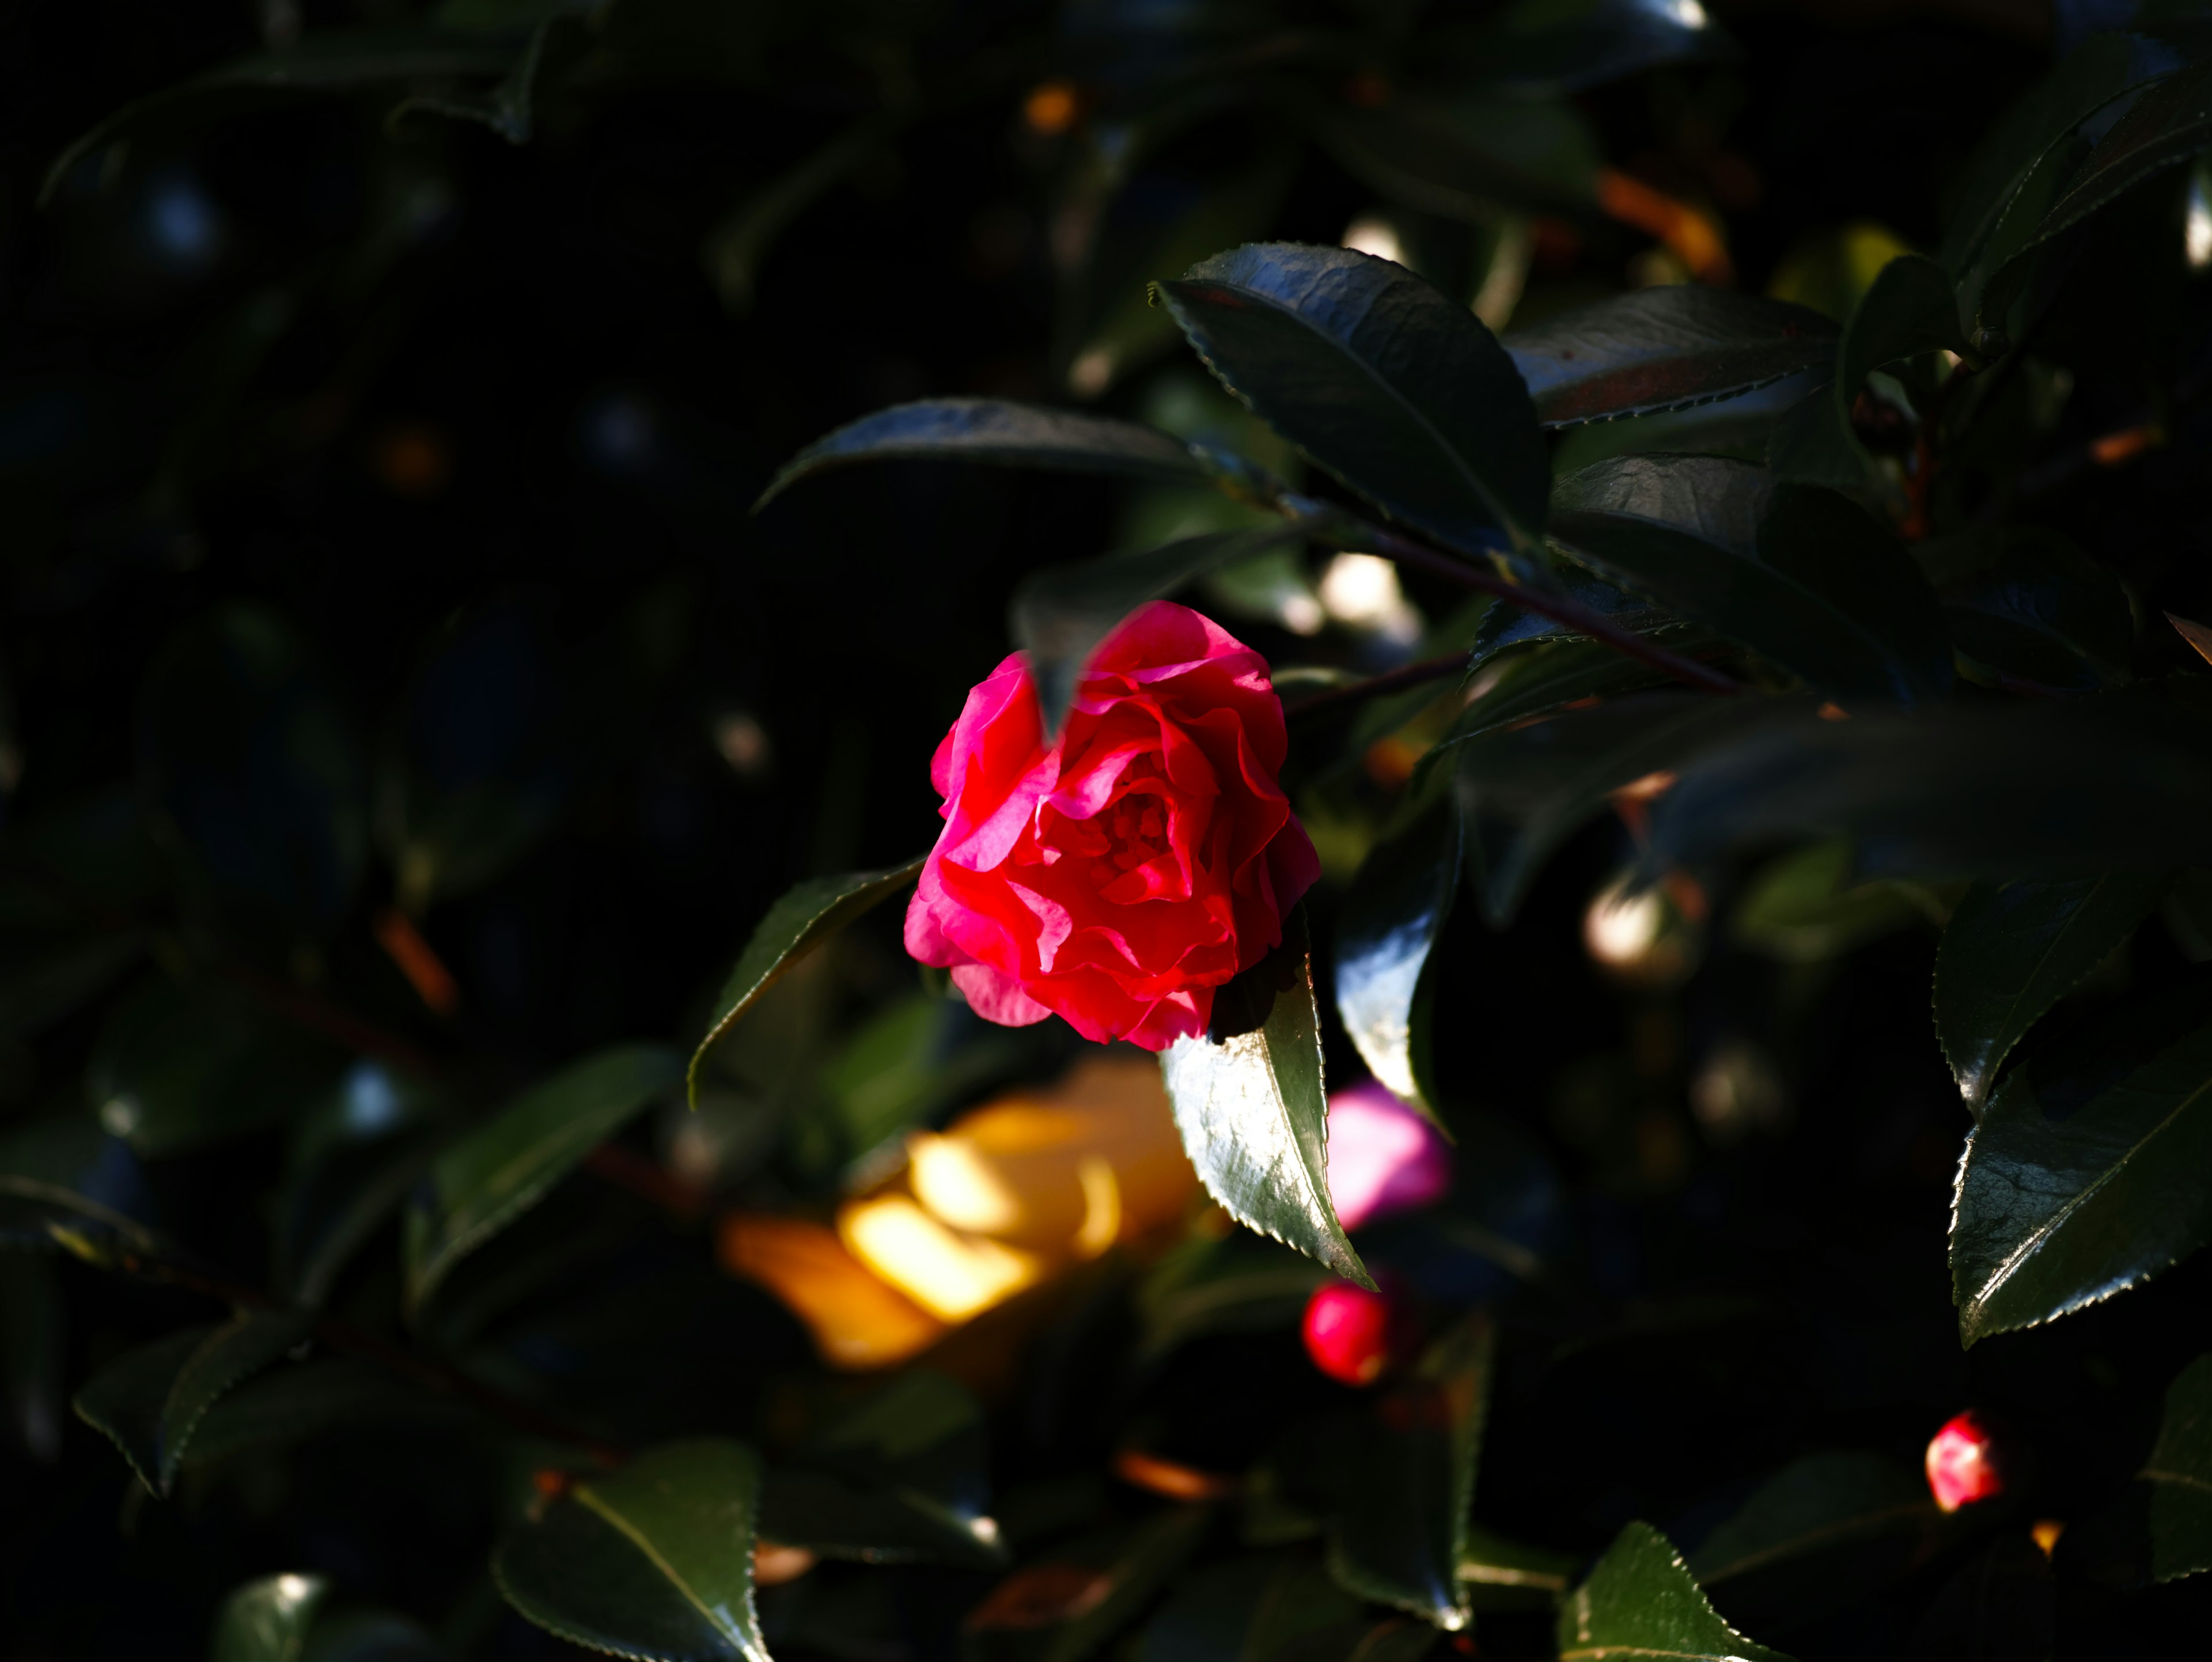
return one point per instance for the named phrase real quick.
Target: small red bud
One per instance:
(1350, 1332)
(1962, 1463)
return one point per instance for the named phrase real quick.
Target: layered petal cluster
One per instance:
(1118, 877)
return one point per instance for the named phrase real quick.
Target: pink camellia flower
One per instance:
(1352, 1335)
(1962, 1464)
(1382, 1157)
(1118, 876)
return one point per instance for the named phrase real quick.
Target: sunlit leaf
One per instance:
(486, 1180)
(2085, 1176)
(1391, 920)
(795, 926)
(1251, 1107)
(1641, 1602)
(1669, 348)
(653, 1562)
(2012, 951)
(1377, 378)
(149, 1402)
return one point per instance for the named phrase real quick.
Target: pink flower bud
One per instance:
(1962, 1463)
(1351, 1333)
(1382, 1157)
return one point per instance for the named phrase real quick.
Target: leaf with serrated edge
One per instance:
(2085, 1176)
(149, 1402)
(1640, 1601)
(505, 1165)
(1254, 1119)
(652, 1562)
(801, 920)
(1000, 431)
(2011, 950)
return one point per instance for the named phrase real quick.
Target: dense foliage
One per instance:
(1721, 497)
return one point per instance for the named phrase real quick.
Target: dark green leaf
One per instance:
(1248, 1609)
(325, 1393)
(809, 915)
(2086, 1175)
(736, 249)
(2011, 950)
(1799, 576)
(1392, 1640)
(1822, 1534)
(2170, 124)
(1812, 444)
(1059, 614)
(1806, 907)
(149, 1402)
(1505, 624)
(1640, 1602)
(500, 1170)
(1065, 1607)
(2004, 1603)
(653, 1562)
(1471, 159)
(369, 1636)
(1552, 677)
(1392, 918)
(2179, 1473)
(33, 1345)
(1402, 1530)
(1239, 1284)
(61, 981)
(1497, 1574)
(1379, 379)
(1563, 46)
(996, 430)
(509, 106)
(1669, 348)
(2039, 618)
(267, 1620)
(1908, 311)
(1254, 1115)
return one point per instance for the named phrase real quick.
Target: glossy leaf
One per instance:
(2179, 1474)
(1641, 1602)
(1534, 46)
(1669, 348)
(1391, 921)
(1249, 1103)
(149, 1402)
(486, 1180)
(1909, 310)
(1379, 379)
(267, 1620)
(653, 1561)
(1799, 576)
(2012, 951)
(2085, 1176)
(1822, 1534)
(795, 926)
(996, 430)
(1059, 614)
(2169, 124)
(1402, 1530)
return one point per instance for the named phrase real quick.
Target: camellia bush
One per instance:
(1554, 1006)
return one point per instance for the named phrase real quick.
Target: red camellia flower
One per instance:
(1118, 877)
(1962, 1464)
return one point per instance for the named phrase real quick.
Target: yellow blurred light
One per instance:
(857, 1322)
(953, 1274)
(2045, 1534)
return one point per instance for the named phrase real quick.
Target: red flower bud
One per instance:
(1962, 1463)
(1351, 1334)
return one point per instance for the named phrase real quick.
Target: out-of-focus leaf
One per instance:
(1250, 1104)
(1401, 1531)
(251, 767)
(328, 62)
(489, 1177)
(1496, 1574)
(2041, 618)
(2003, 1603)
(2011, 950)
(2085, 1176)
(1379, 379)
(1066, 1606)
(653, 1562)
(267, 1620)
(2027, 790)
(996, 430)
(736, 249)
(1538, 46)
(1470, 159)
(2179, 1474)
(906, 1063)
(60, 980)
(1553, 676)
(31, 1355)
(1059, 614)
(1239, 1284)
(352, 1159)
(369, 1636)
(149, 1402)
(1493, 1232)
(1640, 1601)
(1812, 444)
(1806, 908)
(1249, 1608)
(1392, 918)
(1822, 1534)
(508, 106)
(1668, 348)
(290, 1405)
(1909, 310)
(179, 1065)
(1805, 579)
(2169, 124)
(797, 923)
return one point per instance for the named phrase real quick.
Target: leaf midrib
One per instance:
(589, 1498)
